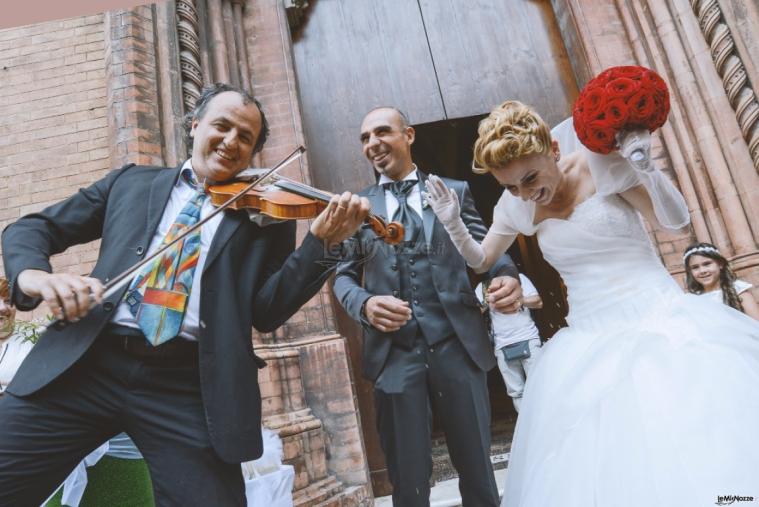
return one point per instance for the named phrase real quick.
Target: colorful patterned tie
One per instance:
(158, 296)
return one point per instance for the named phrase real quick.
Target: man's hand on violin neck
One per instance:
(341, 219)
(69, 296)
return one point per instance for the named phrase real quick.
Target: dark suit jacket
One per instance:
(368, 273)
(251, 278)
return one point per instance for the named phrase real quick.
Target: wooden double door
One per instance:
(445, 63)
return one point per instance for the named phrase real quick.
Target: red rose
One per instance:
(593, 102)
(616, 113)
(621, 87)
(579, 107)
(604, 77)
(657, 121)
(642, 107)
(580, 130)
(624, 97)
(628, 71)
(653, 80)
(661, 103)
(600, 136)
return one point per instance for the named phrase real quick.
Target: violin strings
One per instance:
(310, 191)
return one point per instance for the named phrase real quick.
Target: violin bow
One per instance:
(122, 279)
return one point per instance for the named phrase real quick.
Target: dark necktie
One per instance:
(405, 214)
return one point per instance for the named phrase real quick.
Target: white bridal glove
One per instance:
(669, 204)
(445, 203)
(635, 146)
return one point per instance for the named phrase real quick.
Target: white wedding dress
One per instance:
(650, 397)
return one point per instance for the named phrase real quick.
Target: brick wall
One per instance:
(273, 81)
(53, 127)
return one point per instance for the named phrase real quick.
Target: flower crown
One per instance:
(699, 249)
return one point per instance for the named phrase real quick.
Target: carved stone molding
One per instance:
(189, 52)
(732, 71)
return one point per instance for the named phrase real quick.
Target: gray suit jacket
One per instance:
(367, 272)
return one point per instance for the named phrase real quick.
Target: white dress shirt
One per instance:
(13, 351)
(510, 328)
(414, 197)
(180, 195)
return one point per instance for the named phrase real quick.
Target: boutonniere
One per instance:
(425, 204)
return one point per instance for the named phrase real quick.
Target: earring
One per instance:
(557, 156)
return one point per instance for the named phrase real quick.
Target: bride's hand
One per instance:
(635, 146)
(443, 201)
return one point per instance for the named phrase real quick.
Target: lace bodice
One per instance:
(608, 215)
(601, 251)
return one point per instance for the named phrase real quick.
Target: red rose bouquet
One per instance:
(619, 98)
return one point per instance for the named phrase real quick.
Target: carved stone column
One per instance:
(217, 41)
(285, 392)
(189, 52)
(730, 67)
(285, 411)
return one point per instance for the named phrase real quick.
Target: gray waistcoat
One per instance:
(416, 286)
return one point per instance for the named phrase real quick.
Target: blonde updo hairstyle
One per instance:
(512, 130)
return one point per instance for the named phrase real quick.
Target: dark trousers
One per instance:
(413, 383)
(157, 402)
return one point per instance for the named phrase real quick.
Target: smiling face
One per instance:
(705, 271)
(386, 143)
(533, 177)
(224, 137)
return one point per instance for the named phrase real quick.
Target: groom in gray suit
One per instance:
(425, 342)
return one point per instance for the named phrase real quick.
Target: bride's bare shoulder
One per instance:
(576, 168)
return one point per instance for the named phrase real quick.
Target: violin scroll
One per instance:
(391, 233)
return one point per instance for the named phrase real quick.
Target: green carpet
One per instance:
(115, 482)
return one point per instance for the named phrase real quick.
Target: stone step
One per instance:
(446, 493)
(317, 492)
(500, 446)
(354, 496)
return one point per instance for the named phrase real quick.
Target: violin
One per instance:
(285, 199)
(301, 201)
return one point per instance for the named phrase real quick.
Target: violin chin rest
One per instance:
(251, 173)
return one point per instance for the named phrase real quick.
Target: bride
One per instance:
(650, 396)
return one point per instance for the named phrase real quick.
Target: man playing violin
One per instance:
(168, 359)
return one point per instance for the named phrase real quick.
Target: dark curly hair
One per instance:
(208, 93)
(726, 275)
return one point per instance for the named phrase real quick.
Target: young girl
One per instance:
(624, 407)
(708, 273)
